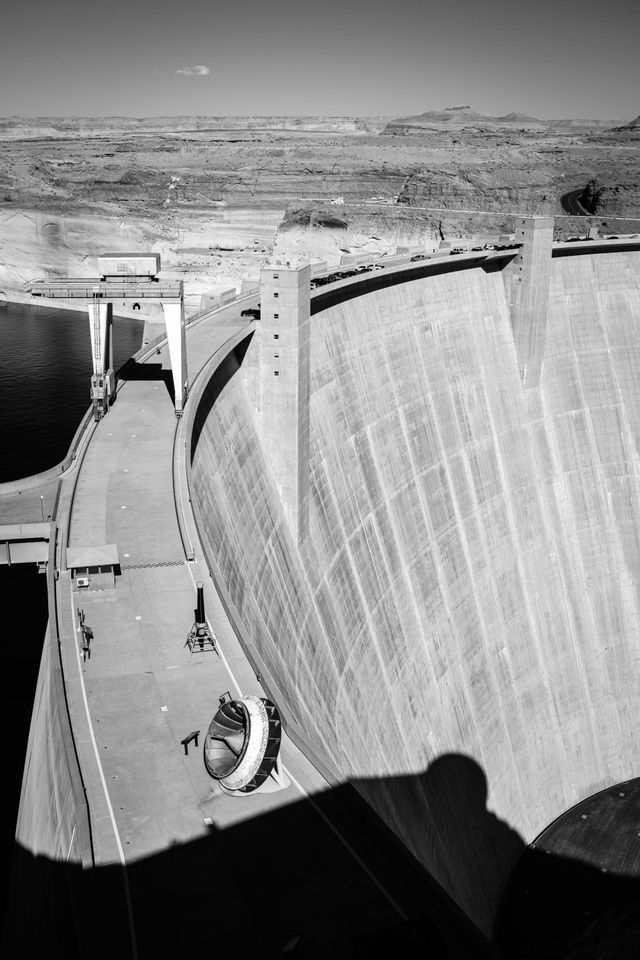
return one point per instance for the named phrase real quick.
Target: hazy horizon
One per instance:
(292, 116)
(551, 60)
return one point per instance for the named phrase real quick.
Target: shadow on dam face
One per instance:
(287, 884)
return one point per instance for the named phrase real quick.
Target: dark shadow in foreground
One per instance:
(284, 884)
(575, 892)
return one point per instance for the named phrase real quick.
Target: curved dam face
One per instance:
(462, 612)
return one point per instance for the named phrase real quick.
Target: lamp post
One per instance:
(42, 506)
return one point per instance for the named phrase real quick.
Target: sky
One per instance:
(547, 58)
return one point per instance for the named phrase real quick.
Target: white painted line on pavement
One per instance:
(218, 647)
(73, 836)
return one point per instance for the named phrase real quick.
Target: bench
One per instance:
(187, 740)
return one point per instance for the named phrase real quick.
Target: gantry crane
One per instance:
(123, 276)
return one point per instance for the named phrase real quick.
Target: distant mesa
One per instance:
(457, 115)
(519, 118)
(464, 115)
(447, 115)
(468, 113)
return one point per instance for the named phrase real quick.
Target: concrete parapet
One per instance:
(529, 274)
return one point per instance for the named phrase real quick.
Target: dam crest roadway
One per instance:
(500, 435)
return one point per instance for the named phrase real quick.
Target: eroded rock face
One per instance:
(495, 189)
(614, 200)
(214, 195)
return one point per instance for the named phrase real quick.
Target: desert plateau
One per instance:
(218, 196)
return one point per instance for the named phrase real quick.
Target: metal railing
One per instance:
(90, 289)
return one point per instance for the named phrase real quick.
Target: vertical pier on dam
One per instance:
(278, 384)
(530, 275)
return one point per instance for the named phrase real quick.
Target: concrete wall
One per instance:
(52, 850)
(52, 818)
(53, 837)
(470, 583)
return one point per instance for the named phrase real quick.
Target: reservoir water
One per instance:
(45, 368)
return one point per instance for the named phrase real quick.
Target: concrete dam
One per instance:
(417, 493)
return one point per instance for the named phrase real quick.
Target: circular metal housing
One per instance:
(242, 743)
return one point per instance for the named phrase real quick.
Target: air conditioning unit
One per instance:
(82, 582)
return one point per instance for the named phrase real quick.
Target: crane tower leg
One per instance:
(174, 319)
(103, 379)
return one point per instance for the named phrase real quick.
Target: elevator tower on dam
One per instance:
(413, 499)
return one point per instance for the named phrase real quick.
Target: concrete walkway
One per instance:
(145, 690)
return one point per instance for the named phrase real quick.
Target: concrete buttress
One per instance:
(280, 389)
(530, 273)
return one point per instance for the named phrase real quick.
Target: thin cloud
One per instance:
(198, 70)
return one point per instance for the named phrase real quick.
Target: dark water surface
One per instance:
(45, 369)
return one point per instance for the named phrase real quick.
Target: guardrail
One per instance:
(105, 291)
